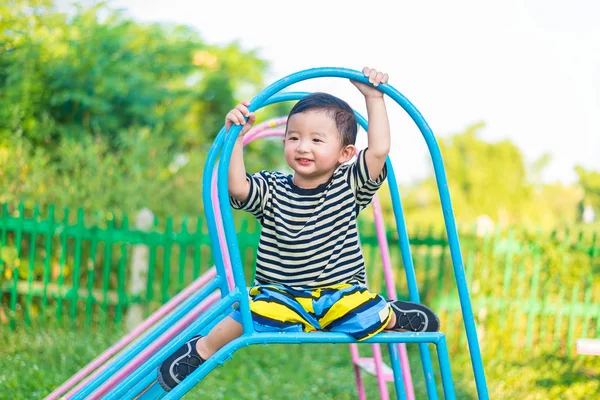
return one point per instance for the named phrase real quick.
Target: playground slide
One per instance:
(372, 365)
(136, 380)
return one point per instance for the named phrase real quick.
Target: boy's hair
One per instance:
(336, 108)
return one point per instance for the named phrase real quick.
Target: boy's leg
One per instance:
(223, 333)
(195, 351)
(352, 309)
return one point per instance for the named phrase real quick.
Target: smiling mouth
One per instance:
(303, 160)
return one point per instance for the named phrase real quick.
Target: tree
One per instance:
(589, 181)
(104, 112)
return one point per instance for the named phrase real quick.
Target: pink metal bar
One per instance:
(151, 349)
(355, 363)
(130, 337)
(391, 290)
(381, 382)
(261, 130)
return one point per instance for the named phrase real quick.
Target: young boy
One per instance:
(310, 272)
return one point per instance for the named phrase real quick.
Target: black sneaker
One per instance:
(179, 365)
(414, 317)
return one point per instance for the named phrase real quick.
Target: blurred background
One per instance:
(108, 109)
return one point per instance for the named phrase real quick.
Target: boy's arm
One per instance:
(378, 136)
(239, 187)
(379, 127)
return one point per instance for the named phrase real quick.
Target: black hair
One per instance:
(336, 108)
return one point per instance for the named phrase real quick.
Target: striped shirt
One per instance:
(309, 237)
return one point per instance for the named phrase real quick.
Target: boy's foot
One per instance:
(414, 317)
(179, 365)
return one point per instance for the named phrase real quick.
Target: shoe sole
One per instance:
(421, 309)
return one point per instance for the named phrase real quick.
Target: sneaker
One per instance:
(179, 365)
(414, 317)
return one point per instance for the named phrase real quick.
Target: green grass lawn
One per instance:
(34, 361)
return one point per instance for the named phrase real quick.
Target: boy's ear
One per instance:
(347, 153)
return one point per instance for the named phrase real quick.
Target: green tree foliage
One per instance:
(100, 111)
(491, 180)
(590, 183)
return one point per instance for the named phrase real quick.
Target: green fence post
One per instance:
(121, 295)
(62, 262)
(532, 298)
(16, 266)
(544, 317)
(168, 241)
(106, 270)
(183, 242)
(559, 313)
(3, 229)
(588, 304)
(47, 259)
(32, 249)
(91, 273)
(428, 261)
(521, 283)
(573, 312)
(198, 236)
(77, 265)
(152, 243)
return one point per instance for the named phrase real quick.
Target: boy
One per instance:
(310, 272)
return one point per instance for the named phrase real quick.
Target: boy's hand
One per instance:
(375, 78)
(236, 116)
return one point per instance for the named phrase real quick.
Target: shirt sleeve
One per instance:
(259, 191)
(363, 187)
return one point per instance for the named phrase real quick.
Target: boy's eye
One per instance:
(292, 138)
(317, 140)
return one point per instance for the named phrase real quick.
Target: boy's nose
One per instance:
(302, 147)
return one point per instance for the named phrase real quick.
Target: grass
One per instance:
(35, 361)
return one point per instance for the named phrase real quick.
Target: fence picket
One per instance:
(61, 264)
(31, 270)
(74, 293)
(16, 266)
(47, 260)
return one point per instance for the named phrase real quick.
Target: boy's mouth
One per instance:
(303, 161)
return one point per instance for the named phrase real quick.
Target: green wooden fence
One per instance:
(59, 266)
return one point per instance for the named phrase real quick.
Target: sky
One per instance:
(529, 69)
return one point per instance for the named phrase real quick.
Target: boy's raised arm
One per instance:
(379, 126)
(239, 187)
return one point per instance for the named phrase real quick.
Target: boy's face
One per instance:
(313, 146)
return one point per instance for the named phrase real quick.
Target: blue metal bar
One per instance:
(228, 145)
(402, 233)
(152, 393)
(409, 267)
(140, 387)
(291, 338)
(153, 362)
(149, 337)
(397, 368)
(209, 211)
(411, 277)
(444, 360)
(440, 175)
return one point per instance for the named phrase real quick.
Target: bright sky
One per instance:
(529, 68)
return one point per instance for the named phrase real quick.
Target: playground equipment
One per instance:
(132, 373)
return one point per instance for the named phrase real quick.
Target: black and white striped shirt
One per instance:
(309, 237)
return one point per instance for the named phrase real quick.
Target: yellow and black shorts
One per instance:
(346, 308)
